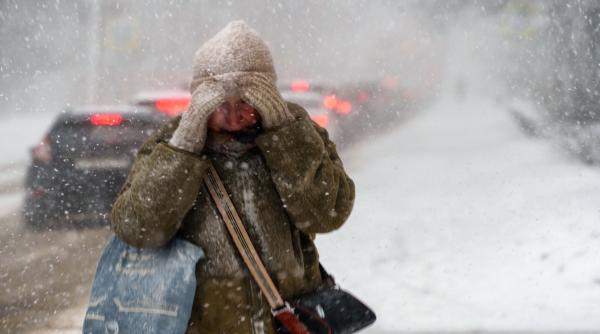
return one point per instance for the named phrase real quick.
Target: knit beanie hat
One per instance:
(234, 51)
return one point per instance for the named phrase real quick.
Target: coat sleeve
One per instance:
(308, 174)
(161, 188)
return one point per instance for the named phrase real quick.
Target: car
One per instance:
(319, 101)
(352, 110)
(168, 102)
(78, 167)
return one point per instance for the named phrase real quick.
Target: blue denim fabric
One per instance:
(143, 290)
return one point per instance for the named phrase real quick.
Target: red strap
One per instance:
(291, 322)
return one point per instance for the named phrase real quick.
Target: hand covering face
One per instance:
(190, 134)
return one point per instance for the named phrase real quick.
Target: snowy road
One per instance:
(44, 275)
(463, 223)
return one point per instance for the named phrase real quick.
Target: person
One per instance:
(282, 172)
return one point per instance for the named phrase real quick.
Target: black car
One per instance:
(78, 168)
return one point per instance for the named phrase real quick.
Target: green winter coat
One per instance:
(287, 187)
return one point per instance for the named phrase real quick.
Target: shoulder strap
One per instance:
(241, 239)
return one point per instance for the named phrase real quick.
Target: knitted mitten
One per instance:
(259, 91)
(190, 135)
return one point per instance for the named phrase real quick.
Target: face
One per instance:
(233, 115)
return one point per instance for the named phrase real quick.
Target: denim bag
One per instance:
(143, 290)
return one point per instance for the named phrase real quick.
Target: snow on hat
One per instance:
(234, 51)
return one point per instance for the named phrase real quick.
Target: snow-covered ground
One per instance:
(461, 222)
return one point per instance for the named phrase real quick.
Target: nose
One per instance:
(233, 119)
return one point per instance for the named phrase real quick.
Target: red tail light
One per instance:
(38, 193)
(330, 102)
(42, 152)
(106, 119)
(362, 97)
(322, 120)
(390, 83)
(300, 86)
(343, 107)
(172, 106)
